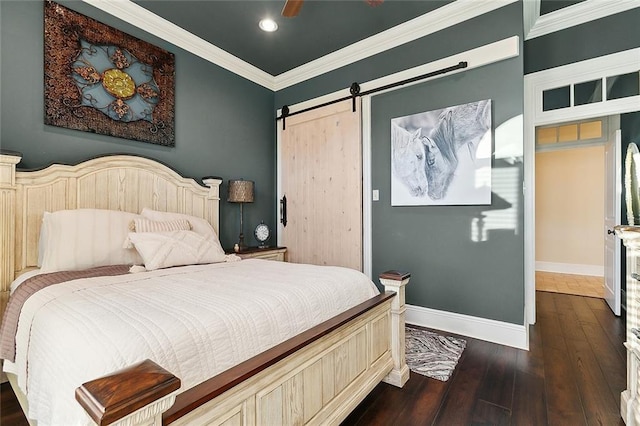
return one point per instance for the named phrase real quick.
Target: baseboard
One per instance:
(499, 332)
(571, 268)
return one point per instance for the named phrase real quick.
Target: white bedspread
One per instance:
(195, 321)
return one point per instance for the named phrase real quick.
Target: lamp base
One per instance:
(241, 244)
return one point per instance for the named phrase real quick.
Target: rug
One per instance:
(431, 354)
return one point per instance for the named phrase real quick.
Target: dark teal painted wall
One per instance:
(224, 124)
(611, 34)
(450, 272)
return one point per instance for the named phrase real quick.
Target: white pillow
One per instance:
(85, 238)
(175, 248)
(198, 225)
(147, 225)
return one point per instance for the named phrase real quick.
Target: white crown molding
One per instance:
(429, 23)
(502, 333)
(580, 13)
(451, 14)
(168, 31)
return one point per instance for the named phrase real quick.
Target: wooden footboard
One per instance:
(318, 377)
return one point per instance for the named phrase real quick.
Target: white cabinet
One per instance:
(630, 398)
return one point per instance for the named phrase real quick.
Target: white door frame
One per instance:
(534, 84)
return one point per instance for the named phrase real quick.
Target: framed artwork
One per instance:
(101, 80)
(442, 157)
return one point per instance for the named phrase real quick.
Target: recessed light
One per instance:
(268, 25)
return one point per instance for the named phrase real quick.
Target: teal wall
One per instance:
(611, 34)
(224, 124)
(450, 271)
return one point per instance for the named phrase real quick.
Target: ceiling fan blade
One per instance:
(292, 8)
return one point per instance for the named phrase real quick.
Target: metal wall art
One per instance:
(442, 156)
(101, 80)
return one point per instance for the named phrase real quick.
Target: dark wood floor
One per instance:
(572, 375)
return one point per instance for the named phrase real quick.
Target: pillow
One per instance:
(148, 225)
(198, 225)
(85, 238)
(175, 248)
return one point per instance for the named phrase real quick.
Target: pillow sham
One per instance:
(85, 238)
(175, 248)
(148, 225)
(198, 225)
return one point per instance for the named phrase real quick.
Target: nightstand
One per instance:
(268, 253)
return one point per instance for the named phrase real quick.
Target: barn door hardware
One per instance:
(283, 210)
(354, 90)
(356, 87)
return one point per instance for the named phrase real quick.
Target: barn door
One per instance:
(320, 160)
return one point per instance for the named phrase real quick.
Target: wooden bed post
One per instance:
(135, 396)
(8, 163)
(395, 281)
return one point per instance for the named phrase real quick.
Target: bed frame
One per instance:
(318, 377)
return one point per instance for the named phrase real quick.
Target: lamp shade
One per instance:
(240, 191)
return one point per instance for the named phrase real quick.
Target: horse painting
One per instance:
(408, 159)
(438, 140)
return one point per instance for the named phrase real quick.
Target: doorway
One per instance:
(575, 86)
(572, 193)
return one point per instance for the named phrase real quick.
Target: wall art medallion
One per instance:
(442, 157)
(99, 79)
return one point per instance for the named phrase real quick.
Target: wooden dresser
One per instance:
(268, 253)
(630, 399)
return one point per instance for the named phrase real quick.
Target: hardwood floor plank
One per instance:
(458, 407)
(497, 385)
(486, 413)
(610, 361)
(529, 400)
(532, 361)
(10, 411)
(423, 409)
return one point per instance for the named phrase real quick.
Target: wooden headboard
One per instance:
(115, 182)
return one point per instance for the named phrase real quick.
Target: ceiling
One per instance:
(322, 27)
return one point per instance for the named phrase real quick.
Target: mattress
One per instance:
(195, 321)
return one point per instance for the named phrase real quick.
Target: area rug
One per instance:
(431, 354)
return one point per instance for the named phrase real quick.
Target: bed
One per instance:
(315, 373)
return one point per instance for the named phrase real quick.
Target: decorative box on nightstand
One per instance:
(268, 253)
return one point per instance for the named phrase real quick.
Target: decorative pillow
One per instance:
(85, 238)
(175, 248)
(148, 225)
(198, 225)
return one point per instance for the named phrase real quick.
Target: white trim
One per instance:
(571, 268)
(576, 14)
(436, 20)
(478, 57)
(429, 23)
(168, 31)
(367, 198)
(591, 69)
(279, 227)
(502, 333)
(530, 14)
(533, 116)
